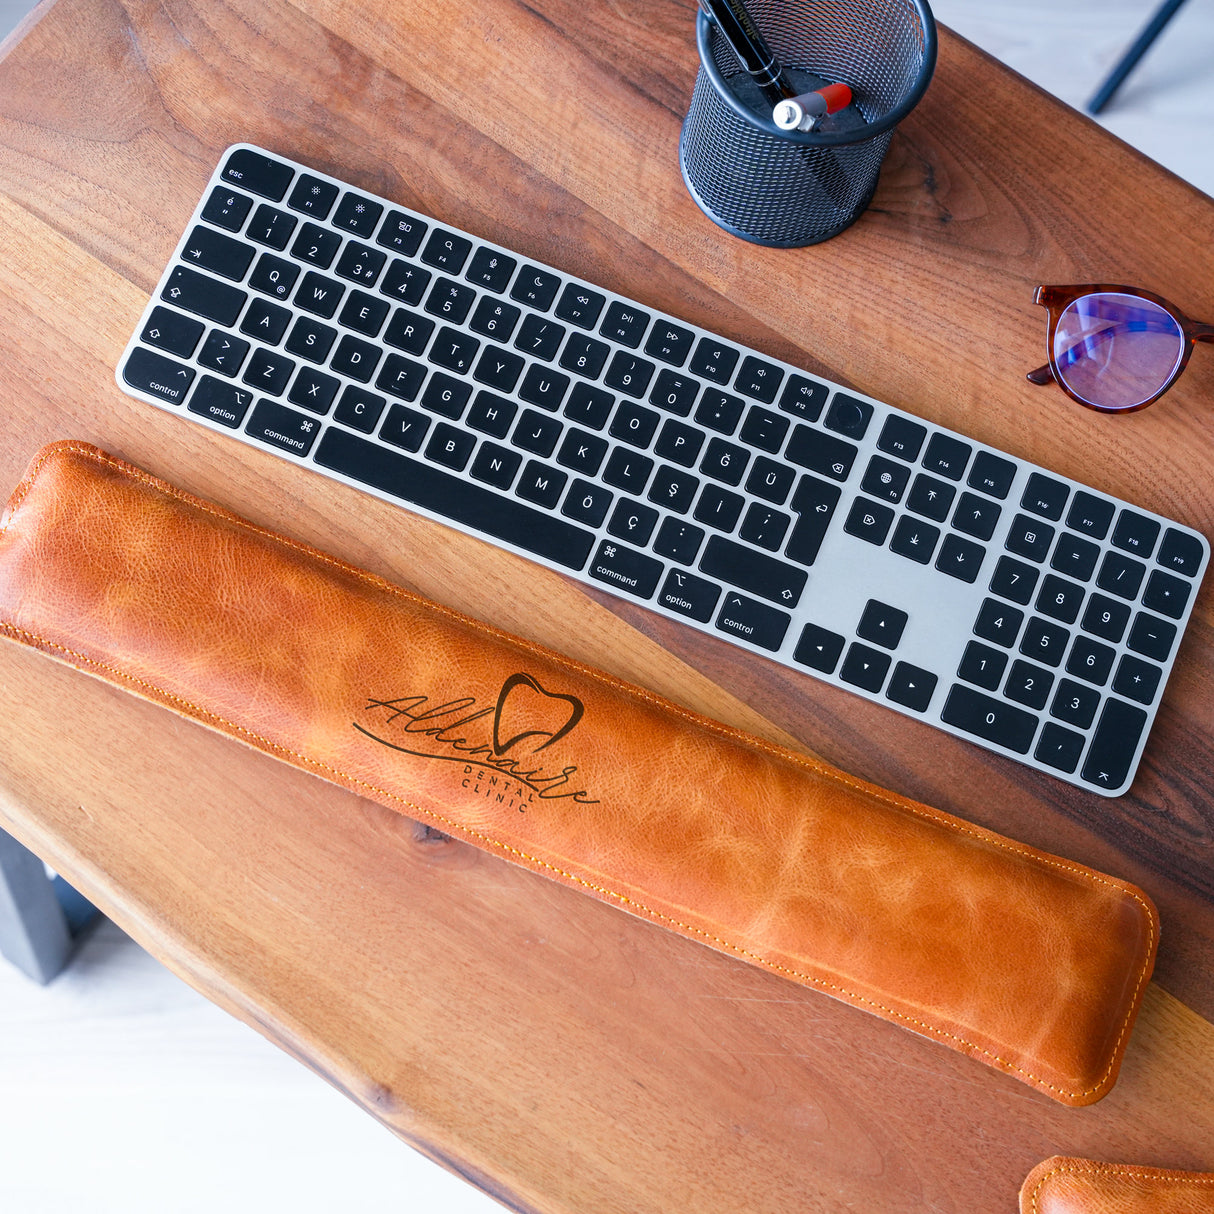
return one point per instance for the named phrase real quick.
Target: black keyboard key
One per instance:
(497, 368)
(1060, 599)
(495, 319)
(268, 371)
(1090, 660)
(580, 305)
(764, 527)
(1075, 556)
(319, 295)
(497, 466)
(218, 253)
(364, 313)
(901, 437)
(585, 355)
(1152, 637)
(404, 428)
(911, 686)
(408, 331)
(982, 665)
(583, 452)
(764, 430)
(1014, 580)
(359, 409)
(673, 489)
(1090, 515)
(674, 392)
(882, 624)
(629, 374)
(999, 623)
(754, 572)
(1029, 537)
(758, 379)
(446, 395)
(587, 503)
(627, 470)
(914, 539)
(253, 171)
(539, 337)
(947, 456)
(669, 343)
(678, 540)
(1044, 642)
(265, 321)
(536, 531)
(400, 376)
(719, 508)
(713, 360)
(819, 648)
(490, 269)
(315, 245)
(492, 414)
(624, 323)
(313, 196)
(1114, 744)
(720, 411)
(885, 479)
(814, 502)
(313, 390)
(1136, 679)
(535, 287)
(864, 667)
(991, 474)
(223, 352)
(274, 276)
(960, 558)
(632, 521)
(450, 447)
(1180, 552)
(227, 209)
(976, 516)
(803, 397)
(931, 498)
(1028, 684)
(169, 330)
(589, 406)
(537, 433)
(360, 263)
(1075, 703)
(220, 402)
(1105, 618)
(821, 452)
(848, 415)
(1135, 533)
(1166, 594)
(446, 251)
(625, 569)
(455, 350)
(992, 720)
(770, 480)
(869, 521)
(634, 424)
(1045, 496)
(544, 387)
(753, 621)
(278, 426)
(689, 595)
(1059, 748)
(1121, 576)
(725, 461)
(357, 214)
(356, 358)
(203, 295)
(310, 339)
(449, 299)
(271, 227)
(407, 283)
(402, 233)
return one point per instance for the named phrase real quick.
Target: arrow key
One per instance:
(864, 667)
(911, 686)
(882, 624)
(819, 649)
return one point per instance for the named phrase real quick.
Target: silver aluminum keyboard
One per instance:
(996, 600)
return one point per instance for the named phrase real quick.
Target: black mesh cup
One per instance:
(794, 188)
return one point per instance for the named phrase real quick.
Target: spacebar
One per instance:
(423, 485)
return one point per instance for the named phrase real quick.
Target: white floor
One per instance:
(119, 1085)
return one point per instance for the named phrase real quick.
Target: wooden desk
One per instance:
(553, 1050)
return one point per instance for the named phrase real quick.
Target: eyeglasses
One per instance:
(1113, 348)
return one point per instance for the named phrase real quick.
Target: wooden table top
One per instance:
(555, 1051)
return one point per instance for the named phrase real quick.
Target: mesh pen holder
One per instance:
(794, 188)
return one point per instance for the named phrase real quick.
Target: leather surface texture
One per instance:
(1062, 1185)
(1025, 961)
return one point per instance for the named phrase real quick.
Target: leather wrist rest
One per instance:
(1062, 1185)
(1025, 961)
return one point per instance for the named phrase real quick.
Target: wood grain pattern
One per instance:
(560, 1054)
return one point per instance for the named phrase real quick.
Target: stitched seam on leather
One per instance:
(1084, 1168)
(903, 805)
(27, 482)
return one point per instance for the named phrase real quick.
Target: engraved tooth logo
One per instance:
(526, 707)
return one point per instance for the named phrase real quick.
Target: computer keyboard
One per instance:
(642, 455)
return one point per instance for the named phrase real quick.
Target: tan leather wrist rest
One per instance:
(1025, 961)
(1062, 1185)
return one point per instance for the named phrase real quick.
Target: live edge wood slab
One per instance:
(554, 1051)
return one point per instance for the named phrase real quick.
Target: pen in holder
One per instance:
(789, 188)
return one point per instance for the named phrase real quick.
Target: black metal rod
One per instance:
(1104, 94)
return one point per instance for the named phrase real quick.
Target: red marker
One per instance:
(803, 113)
